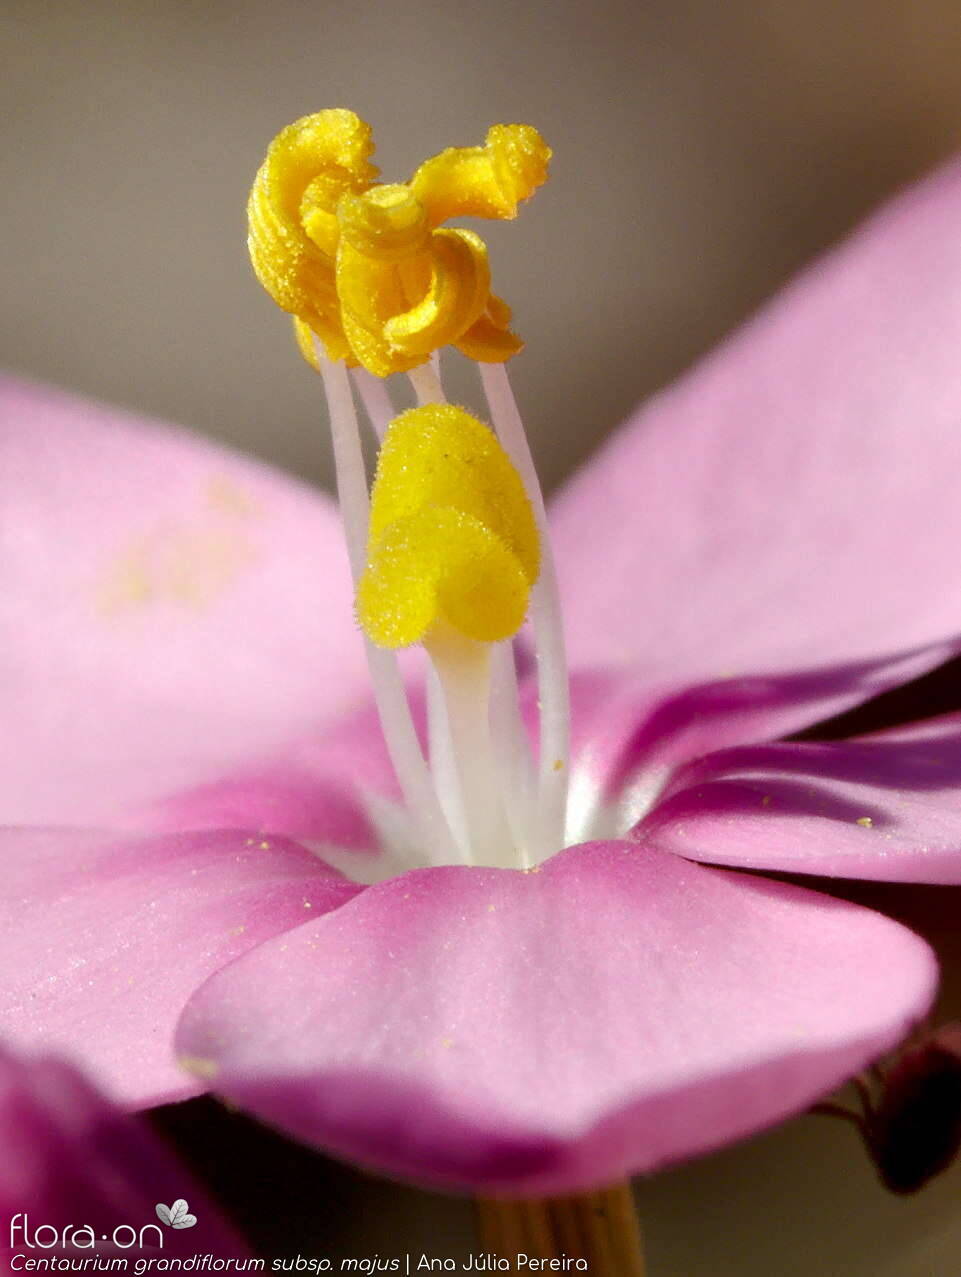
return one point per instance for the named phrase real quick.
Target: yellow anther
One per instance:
(483, 181)
(293, 230)
(386, 223)
(452, 534)
(456, 298)
(490, 340)
(363, 266)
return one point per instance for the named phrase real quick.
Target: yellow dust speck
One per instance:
(237, 931)
(532, 869)
(766, 800)
(491, 908)
(199, 1067)
(308, 904)
(447, 1043)
(228, 496)
(864, 821)
(184, 564)
(558, 764)
(265, 846)
(127, 585)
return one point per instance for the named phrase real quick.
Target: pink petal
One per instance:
(169, 609)
(793, 501)
(629, 736)
(618, 1010)
(313, 789)
(886, 806)
(71, 1158)
(103, 938)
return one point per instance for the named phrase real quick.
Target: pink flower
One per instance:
(767, 544)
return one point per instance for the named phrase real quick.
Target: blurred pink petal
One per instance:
(72, 1158)
(104, 936)
(618, 1010)
(886, 806)
(169, 609)
(793, 501)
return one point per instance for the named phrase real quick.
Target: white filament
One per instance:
(515, 764)
(443, 763)
(348, 460)
(554, 694)
(392, 705)
(463, 670)
(426, 383)
(376, 400)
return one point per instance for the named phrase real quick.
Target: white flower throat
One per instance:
(482, 793)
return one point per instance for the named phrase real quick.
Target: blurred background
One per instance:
(703, 152)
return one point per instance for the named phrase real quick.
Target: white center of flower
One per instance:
(482, 794)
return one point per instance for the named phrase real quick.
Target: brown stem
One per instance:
(600, 1227)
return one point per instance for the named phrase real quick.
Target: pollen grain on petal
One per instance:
(199, 1066)
(228, 497)
(186, 561)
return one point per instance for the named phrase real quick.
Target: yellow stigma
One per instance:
(453, 537)
(366, 267)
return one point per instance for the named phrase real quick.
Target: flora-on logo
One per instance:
(79, 1236)
(176, 1216)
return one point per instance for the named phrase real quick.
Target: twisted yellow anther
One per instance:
(452, 534)
(365, 267)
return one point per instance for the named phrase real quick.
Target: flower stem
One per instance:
(601, 1228)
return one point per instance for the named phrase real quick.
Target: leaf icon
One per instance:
(176, 1216)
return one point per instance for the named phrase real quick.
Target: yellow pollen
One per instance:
(365, 267)
(200, 1067)
(453, 540)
